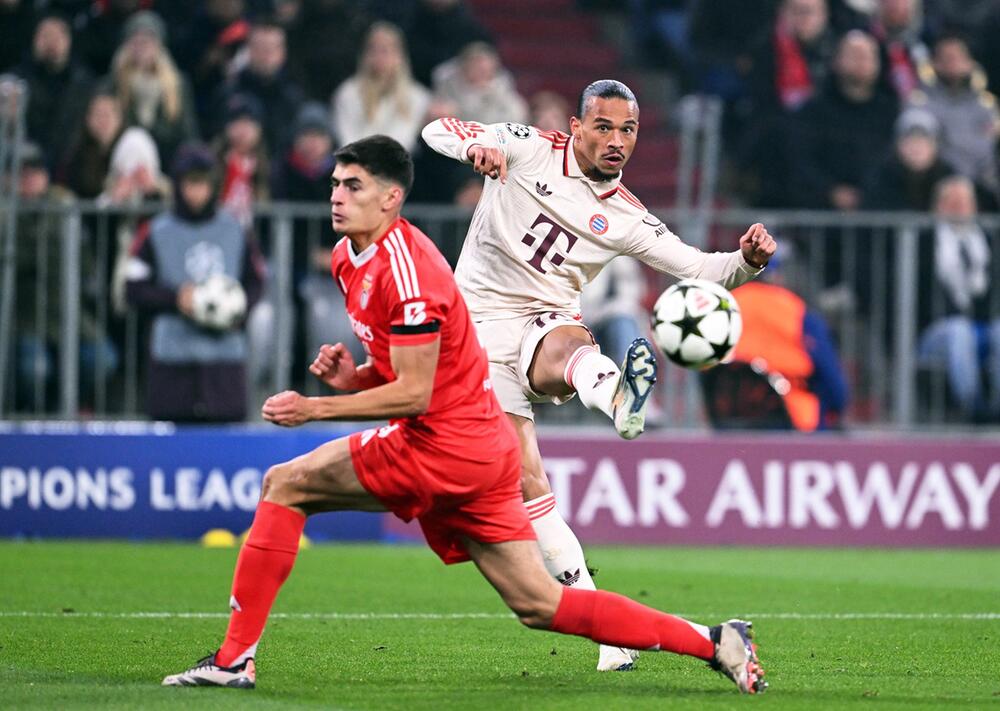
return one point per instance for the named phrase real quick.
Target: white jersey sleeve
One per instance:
(452, 137)
(652, 243)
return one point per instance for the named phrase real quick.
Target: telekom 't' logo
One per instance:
(547, 242)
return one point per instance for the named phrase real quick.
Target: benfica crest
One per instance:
(366, 285)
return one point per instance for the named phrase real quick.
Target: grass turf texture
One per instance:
(72, 660)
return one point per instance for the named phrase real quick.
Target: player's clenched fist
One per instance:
(335, 366)
(757, 245)
(288, 409)
(490, 162)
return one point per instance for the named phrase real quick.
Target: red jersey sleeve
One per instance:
(416, 296)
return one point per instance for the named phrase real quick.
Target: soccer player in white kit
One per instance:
(554, 214)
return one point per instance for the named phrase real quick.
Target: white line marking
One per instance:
(500, 616)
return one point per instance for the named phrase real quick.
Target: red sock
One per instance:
(615, 620)
(265, 561)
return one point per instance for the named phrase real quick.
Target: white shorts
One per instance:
(510, 346)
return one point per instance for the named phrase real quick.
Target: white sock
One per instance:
(700, 629)
(561, 550)
(564, 560)
(594, 377)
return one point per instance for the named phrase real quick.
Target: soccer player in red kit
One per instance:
(449, 457)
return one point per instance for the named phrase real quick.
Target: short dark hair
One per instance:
(381, 156)
(604, 89)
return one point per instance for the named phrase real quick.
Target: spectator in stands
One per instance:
(267, 79)
(722, 36)
(133, 177)
(246, 167)
(479, 86)
(39, 315)
(661, 29)
(549, 111)
(17, 18)
(966, 111)
(134, 170)
(960, 334)
(304, 176)
(905, 180)
(842, 133)
(383, 96)
(438, 179)
(795, 342)
(468, 193)
(897, 25)
(208, 48)
(154, 93)
(195, 374)
(611, 305)
(58, 88)
(85, 168)
(102, 30)
(790, 66)
(324, 40)
(437, 31)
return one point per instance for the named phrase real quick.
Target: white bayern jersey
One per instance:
(536, 240)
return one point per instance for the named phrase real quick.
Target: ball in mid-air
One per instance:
(696, 323)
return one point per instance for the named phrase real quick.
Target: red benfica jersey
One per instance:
(400, 291)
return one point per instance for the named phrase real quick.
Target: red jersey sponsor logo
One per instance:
(361, 329)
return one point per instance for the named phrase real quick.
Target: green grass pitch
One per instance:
(837, 629)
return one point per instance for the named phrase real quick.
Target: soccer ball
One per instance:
(696, 323)
(218, 303)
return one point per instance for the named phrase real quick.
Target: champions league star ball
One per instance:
(219, 302)
(696, 323)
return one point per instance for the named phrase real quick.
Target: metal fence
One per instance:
(863, 271)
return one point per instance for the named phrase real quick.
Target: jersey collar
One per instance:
(571, 169)
(359, 260)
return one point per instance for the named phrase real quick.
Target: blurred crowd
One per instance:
(841, 104)
(830, 104)
(848, 105)
(271, 85)
(130, 101)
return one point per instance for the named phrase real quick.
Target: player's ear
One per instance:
(393, 197)
(574, 126)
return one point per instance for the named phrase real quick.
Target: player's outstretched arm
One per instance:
(653, 244)
(408, 395)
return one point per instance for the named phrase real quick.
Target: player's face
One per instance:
(358, 202)
(605, 137)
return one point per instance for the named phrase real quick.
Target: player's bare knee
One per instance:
(280, 484)
(561, 349)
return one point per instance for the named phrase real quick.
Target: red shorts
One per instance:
(451, 497)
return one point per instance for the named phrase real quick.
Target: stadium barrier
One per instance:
(128, 480)
(863, 270)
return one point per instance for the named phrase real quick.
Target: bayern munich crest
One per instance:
(598, 224)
